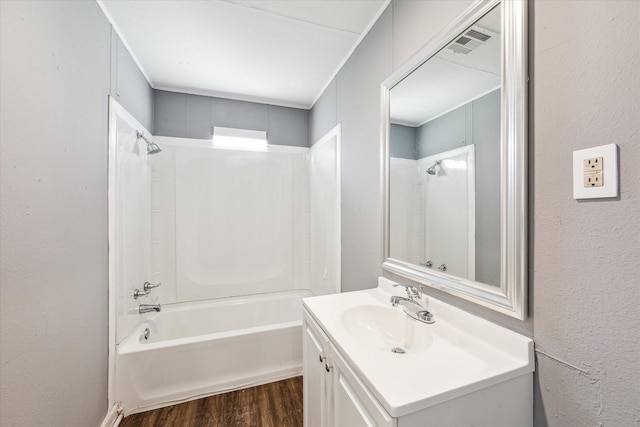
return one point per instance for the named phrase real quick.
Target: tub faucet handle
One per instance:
(138, 293)
(148, 286)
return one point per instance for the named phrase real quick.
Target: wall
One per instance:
(353, 100)
(585, 91)
(449, 131)
(583, 280)
(55, 82)
(129, 86)
(55, 77)
(404, 142)
(192, 116)
(486, 113)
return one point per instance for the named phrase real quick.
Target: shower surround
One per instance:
(237, 239)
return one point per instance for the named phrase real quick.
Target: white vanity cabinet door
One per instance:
(316, 379)
(353, 405)
(333, 394)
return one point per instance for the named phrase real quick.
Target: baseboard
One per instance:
(113, 417)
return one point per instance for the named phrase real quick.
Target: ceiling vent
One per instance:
(469, 41)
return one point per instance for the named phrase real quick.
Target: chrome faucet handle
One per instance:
(148, 286)
(138, 293)
(412, 292)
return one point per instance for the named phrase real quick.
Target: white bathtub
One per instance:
(203, 348)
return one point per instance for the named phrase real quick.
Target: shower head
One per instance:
(152, 147)
(432, 169)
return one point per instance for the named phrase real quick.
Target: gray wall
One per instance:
(583, 281)
(55, 77)
(324, 113)
(585, 61)
(129, 86)
(192, 116)
(486, 137)
(358, 110)
(446, 132)
(403, 142)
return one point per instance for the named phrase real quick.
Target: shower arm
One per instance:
(142, 136)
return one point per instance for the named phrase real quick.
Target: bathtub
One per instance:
(197, 349)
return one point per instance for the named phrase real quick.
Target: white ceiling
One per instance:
(282, 52)
(447, 81)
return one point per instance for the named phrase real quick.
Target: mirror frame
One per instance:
(511, 297)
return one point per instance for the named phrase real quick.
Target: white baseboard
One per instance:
(113, 417)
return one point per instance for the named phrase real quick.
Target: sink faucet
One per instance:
(147, 308)
(413, 294)
(412, 304)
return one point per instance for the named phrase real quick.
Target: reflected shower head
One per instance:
(432, 169)
(152, 147)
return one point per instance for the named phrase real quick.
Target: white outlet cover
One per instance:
(609, 154)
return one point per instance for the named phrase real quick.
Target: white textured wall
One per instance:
(586, 255)
(54, 82)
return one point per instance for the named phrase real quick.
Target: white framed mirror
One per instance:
(454, 142)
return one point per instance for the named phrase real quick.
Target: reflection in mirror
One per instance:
(445, 158)
(455, 172)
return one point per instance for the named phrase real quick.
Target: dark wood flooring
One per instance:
(276, 404)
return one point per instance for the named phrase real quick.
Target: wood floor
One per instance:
(277, 404)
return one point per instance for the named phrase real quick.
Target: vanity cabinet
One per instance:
(316, 381)
(333, 394)
(467, 373)
(353, 405)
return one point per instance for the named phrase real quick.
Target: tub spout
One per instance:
(147, 308)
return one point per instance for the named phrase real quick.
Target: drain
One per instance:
(398, 350)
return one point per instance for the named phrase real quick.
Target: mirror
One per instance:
(454, 143)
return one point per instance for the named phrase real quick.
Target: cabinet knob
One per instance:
(328, 367)
(322, 357)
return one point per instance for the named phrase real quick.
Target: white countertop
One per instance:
(465, 353)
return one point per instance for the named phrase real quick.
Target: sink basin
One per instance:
(386, 328)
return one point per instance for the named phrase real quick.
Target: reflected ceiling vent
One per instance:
(470, 40)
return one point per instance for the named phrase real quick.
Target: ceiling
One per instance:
(449, 80)
(282, 52)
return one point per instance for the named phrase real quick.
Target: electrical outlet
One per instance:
(593, 164)
(593, 180)
(595, 172)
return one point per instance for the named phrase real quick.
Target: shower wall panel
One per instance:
(233, 221)
(324, 214)
(229, 222)
(407, 209)
(131, 213)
